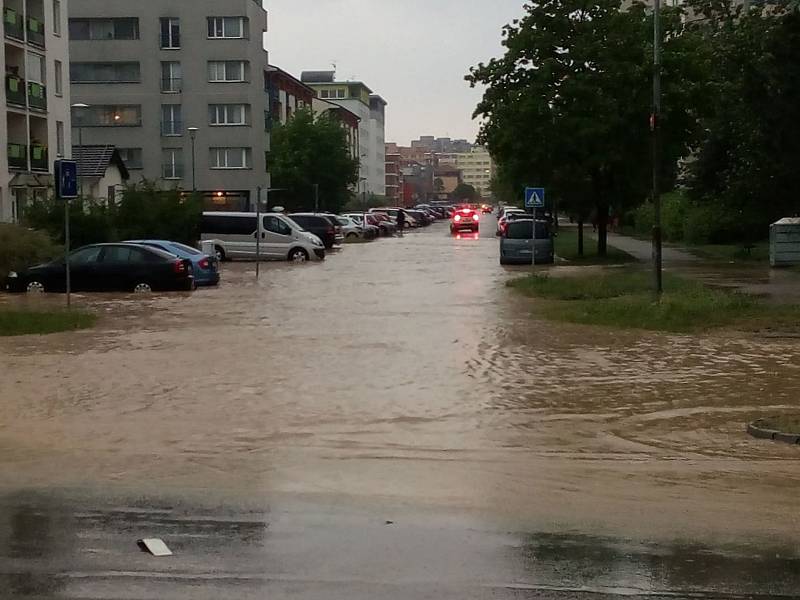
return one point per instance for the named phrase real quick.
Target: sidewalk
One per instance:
(643, 250)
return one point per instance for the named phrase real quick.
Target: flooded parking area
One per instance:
(400, 378)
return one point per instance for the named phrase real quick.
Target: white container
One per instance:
(784, 242)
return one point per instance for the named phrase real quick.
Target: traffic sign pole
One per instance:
(534, 198)
(66, 252)
(66, 172)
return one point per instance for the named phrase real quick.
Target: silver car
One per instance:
(517, 243)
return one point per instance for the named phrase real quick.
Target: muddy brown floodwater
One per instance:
(405, 372)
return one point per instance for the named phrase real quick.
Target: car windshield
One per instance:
(187, 249)
(295, 224)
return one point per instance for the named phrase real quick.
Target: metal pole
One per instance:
(194, 168)
(316, 197)
(80, 166)
(258, 232)
(66, 252)
(655, 125)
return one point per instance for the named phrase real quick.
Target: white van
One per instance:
(234, 235)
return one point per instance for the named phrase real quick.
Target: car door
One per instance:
(113, 269)
(83, 269)
(276, 237)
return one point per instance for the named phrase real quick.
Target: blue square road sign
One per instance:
(66, 175)
(534, 197)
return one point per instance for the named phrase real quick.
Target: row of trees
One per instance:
(569, 106)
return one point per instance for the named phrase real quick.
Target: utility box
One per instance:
(784, 242)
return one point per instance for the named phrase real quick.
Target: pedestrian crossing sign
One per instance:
(534, 197)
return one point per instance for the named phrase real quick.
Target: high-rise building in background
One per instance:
(357, 98)
(35, 127)
(477, 169)
(180, 88)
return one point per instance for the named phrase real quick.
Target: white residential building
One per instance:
(35, 128)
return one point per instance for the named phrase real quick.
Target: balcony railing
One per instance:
(37, 95)
(171, 128)
(35, 31)
(18, 156)
(14, 24)
(171, 85)
(39, 158)
(15, 90)
(172, 171)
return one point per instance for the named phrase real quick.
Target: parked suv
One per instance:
(319, 225)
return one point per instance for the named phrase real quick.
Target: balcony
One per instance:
(172, 171)
(171, 128)
(39, 158)
(171, 85)
(18, 157)
(37, 95)
(13, 24)
(15, 90)
(35, 32)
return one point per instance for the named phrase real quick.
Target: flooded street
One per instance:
(391, 423)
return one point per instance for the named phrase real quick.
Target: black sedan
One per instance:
(108, 268)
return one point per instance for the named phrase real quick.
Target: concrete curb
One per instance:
(758, 430)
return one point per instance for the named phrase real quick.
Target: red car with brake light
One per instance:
(465, 219)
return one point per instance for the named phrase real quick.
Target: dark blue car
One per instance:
(206, 268)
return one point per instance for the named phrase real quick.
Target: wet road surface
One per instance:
(269, 430)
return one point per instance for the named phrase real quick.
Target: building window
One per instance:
(57, 17)
(132, 157)
(170, 33)
(171, 121)
(171, 77)
(105, 72)
(227, 27)
(60, 138)
(230, 158)
(229, 114)
(172, 164)
(104, 29)
(227, 70)
(59, 72)
(114, 115)
(36, 68)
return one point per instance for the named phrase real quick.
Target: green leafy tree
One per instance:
(746, 173)
(146, 211)
(568, 106)
(308, 151)
(465, 192)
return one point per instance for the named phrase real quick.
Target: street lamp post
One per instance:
(193, 135)
(655, 125)
(79, 109)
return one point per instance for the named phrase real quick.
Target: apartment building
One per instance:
(477, 169)
(180, 88)
(287, 95)
(357, 98)
(35, 127)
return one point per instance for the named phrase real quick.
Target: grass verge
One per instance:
(624, 300)
(566, 246)
(782, 423)
(23, 322)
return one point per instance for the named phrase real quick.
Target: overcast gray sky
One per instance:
(414, 53)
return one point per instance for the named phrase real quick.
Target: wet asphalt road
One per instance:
(392, 423)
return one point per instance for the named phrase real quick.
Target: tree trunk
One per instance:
(580, 236)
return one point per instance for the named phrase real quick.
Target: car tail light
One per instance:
(476, 217)
(179, 266)
(205, 263)
(457, 218)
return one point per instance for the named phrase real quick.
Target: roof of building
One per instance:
(277, 70)
(326, 78)
(93, 161)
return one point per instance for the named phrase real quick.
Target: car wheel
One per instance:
(352, 236)
(220, 253)
(142, 288)
(35, 287)
(298, 255)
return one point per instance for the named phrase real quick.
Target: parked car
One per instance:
(108, 268)
(420, 216)
(234, 236)
(517, 244)
(410, 222)
(384, 222)
(205, 267)
(465, 219)
(337, 227)
(370, 224)
(352, 230)
(319, 225)
(507, 214)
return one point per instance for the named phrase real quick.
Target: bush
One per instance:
(21, 247)
(674, 208)
(91, 222)
(643, 219)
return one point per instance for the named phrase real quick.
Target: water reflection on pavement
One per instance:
(396, 378)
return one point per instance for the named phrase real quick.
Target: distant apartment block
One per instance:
(477, 169)
(181, 88)
(357, 98)
(35, 126)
